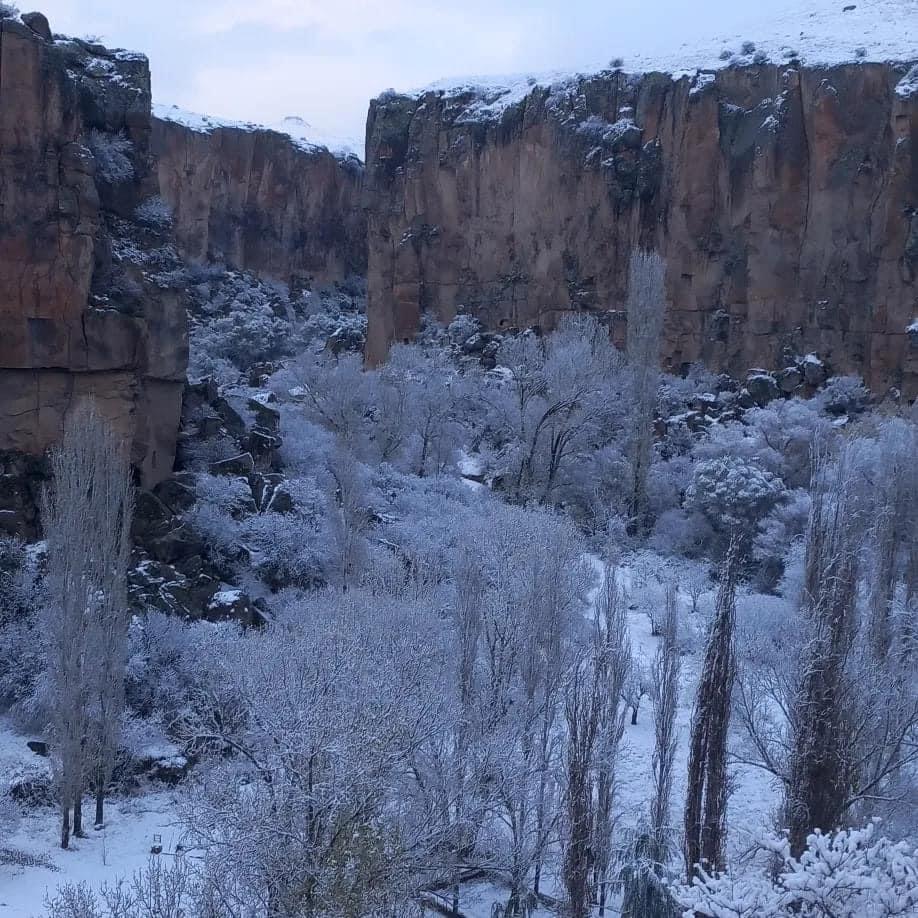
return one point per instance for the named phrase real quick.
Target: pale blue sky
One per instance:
(261, 60)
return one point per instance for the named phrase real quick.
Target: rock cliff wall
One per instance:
(784, 198)
(258, 200)
(86, 304)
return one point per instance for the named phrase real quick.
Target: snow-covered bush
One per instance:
(237, 321)
(112, 154)
(163, 890)
(854, 873)
(734, 494)
(154, 212)
(292, 549)
(844, 395)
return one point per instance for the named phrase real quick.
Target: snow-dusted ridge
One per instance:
(813, 32)
(300, 132)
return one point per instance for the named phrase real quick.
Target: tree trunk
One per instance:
(78, 814)
(65, 825)
(100, 800)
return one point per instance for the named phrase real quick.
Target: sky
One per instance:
(322, 60)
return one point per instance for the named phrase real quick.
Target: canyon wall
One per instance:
(261, 201)
(784, 199)
(87, 304)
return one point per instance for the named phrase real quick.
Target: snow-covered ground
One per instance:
(124, 847)
(753, 798)
(812, 31)
(106, 856)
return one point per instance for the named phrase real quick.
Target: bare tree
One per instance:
(645, 307)
(583, 708)
(819, 781)
(613, 655)
(114, 510)
(86, 516)
(829, 707)
(666, 670)
(706, 790)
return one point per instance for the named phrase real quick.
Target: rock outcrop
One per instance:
(259, 200)
(784, 198)
(88, 301)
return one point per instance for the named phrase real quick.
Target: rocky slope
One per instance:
(261, 201)
(88, 304)
(784, 198)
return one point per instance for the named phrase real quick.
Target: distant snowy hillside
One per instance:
(298, 130)
(811, 31)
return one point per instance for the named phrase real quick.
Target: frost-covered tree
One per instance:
(707, 790)
(556, 405)
(86, 515)
(854, 873)
(734, 495)
(646, 306)
(612, 649)
(309, 727)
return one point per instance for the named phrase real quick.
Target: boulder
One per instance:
(814, 370)
(232, 420)
(38, 23)
(762, 387)
(231, 604)
(790, 379)
(262, 444)
(266, 415)
(242, 464)
(177, 492)
(177, 544)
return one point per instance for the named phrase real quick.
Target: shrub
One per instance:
(155, 213)
(733, 493)
(852, 873)
(111, 153)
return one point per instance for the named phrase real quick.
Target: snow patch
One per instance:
(225, 598)
(301, 134)
(908, 85)
(703, 79)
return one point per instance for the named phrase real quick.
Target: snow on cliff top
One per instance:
(300, 132)
(811, 31)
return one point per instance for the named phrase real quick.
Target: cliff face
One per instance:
(80, 312)
(784, 198)
(257, 200)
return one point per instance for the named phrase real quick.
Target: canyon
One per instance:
(102, 209)
(783, 198)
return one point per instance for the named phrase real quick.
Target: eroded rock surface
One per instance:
(784, 198)
(87, 307)
(259, 201)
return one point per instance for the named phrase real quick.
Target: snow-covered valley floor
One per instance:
(106, 856)
(124, 846)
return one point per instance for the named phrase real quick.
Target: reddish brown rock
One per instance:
(784, 199)
(257, 200)
(80, 313)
